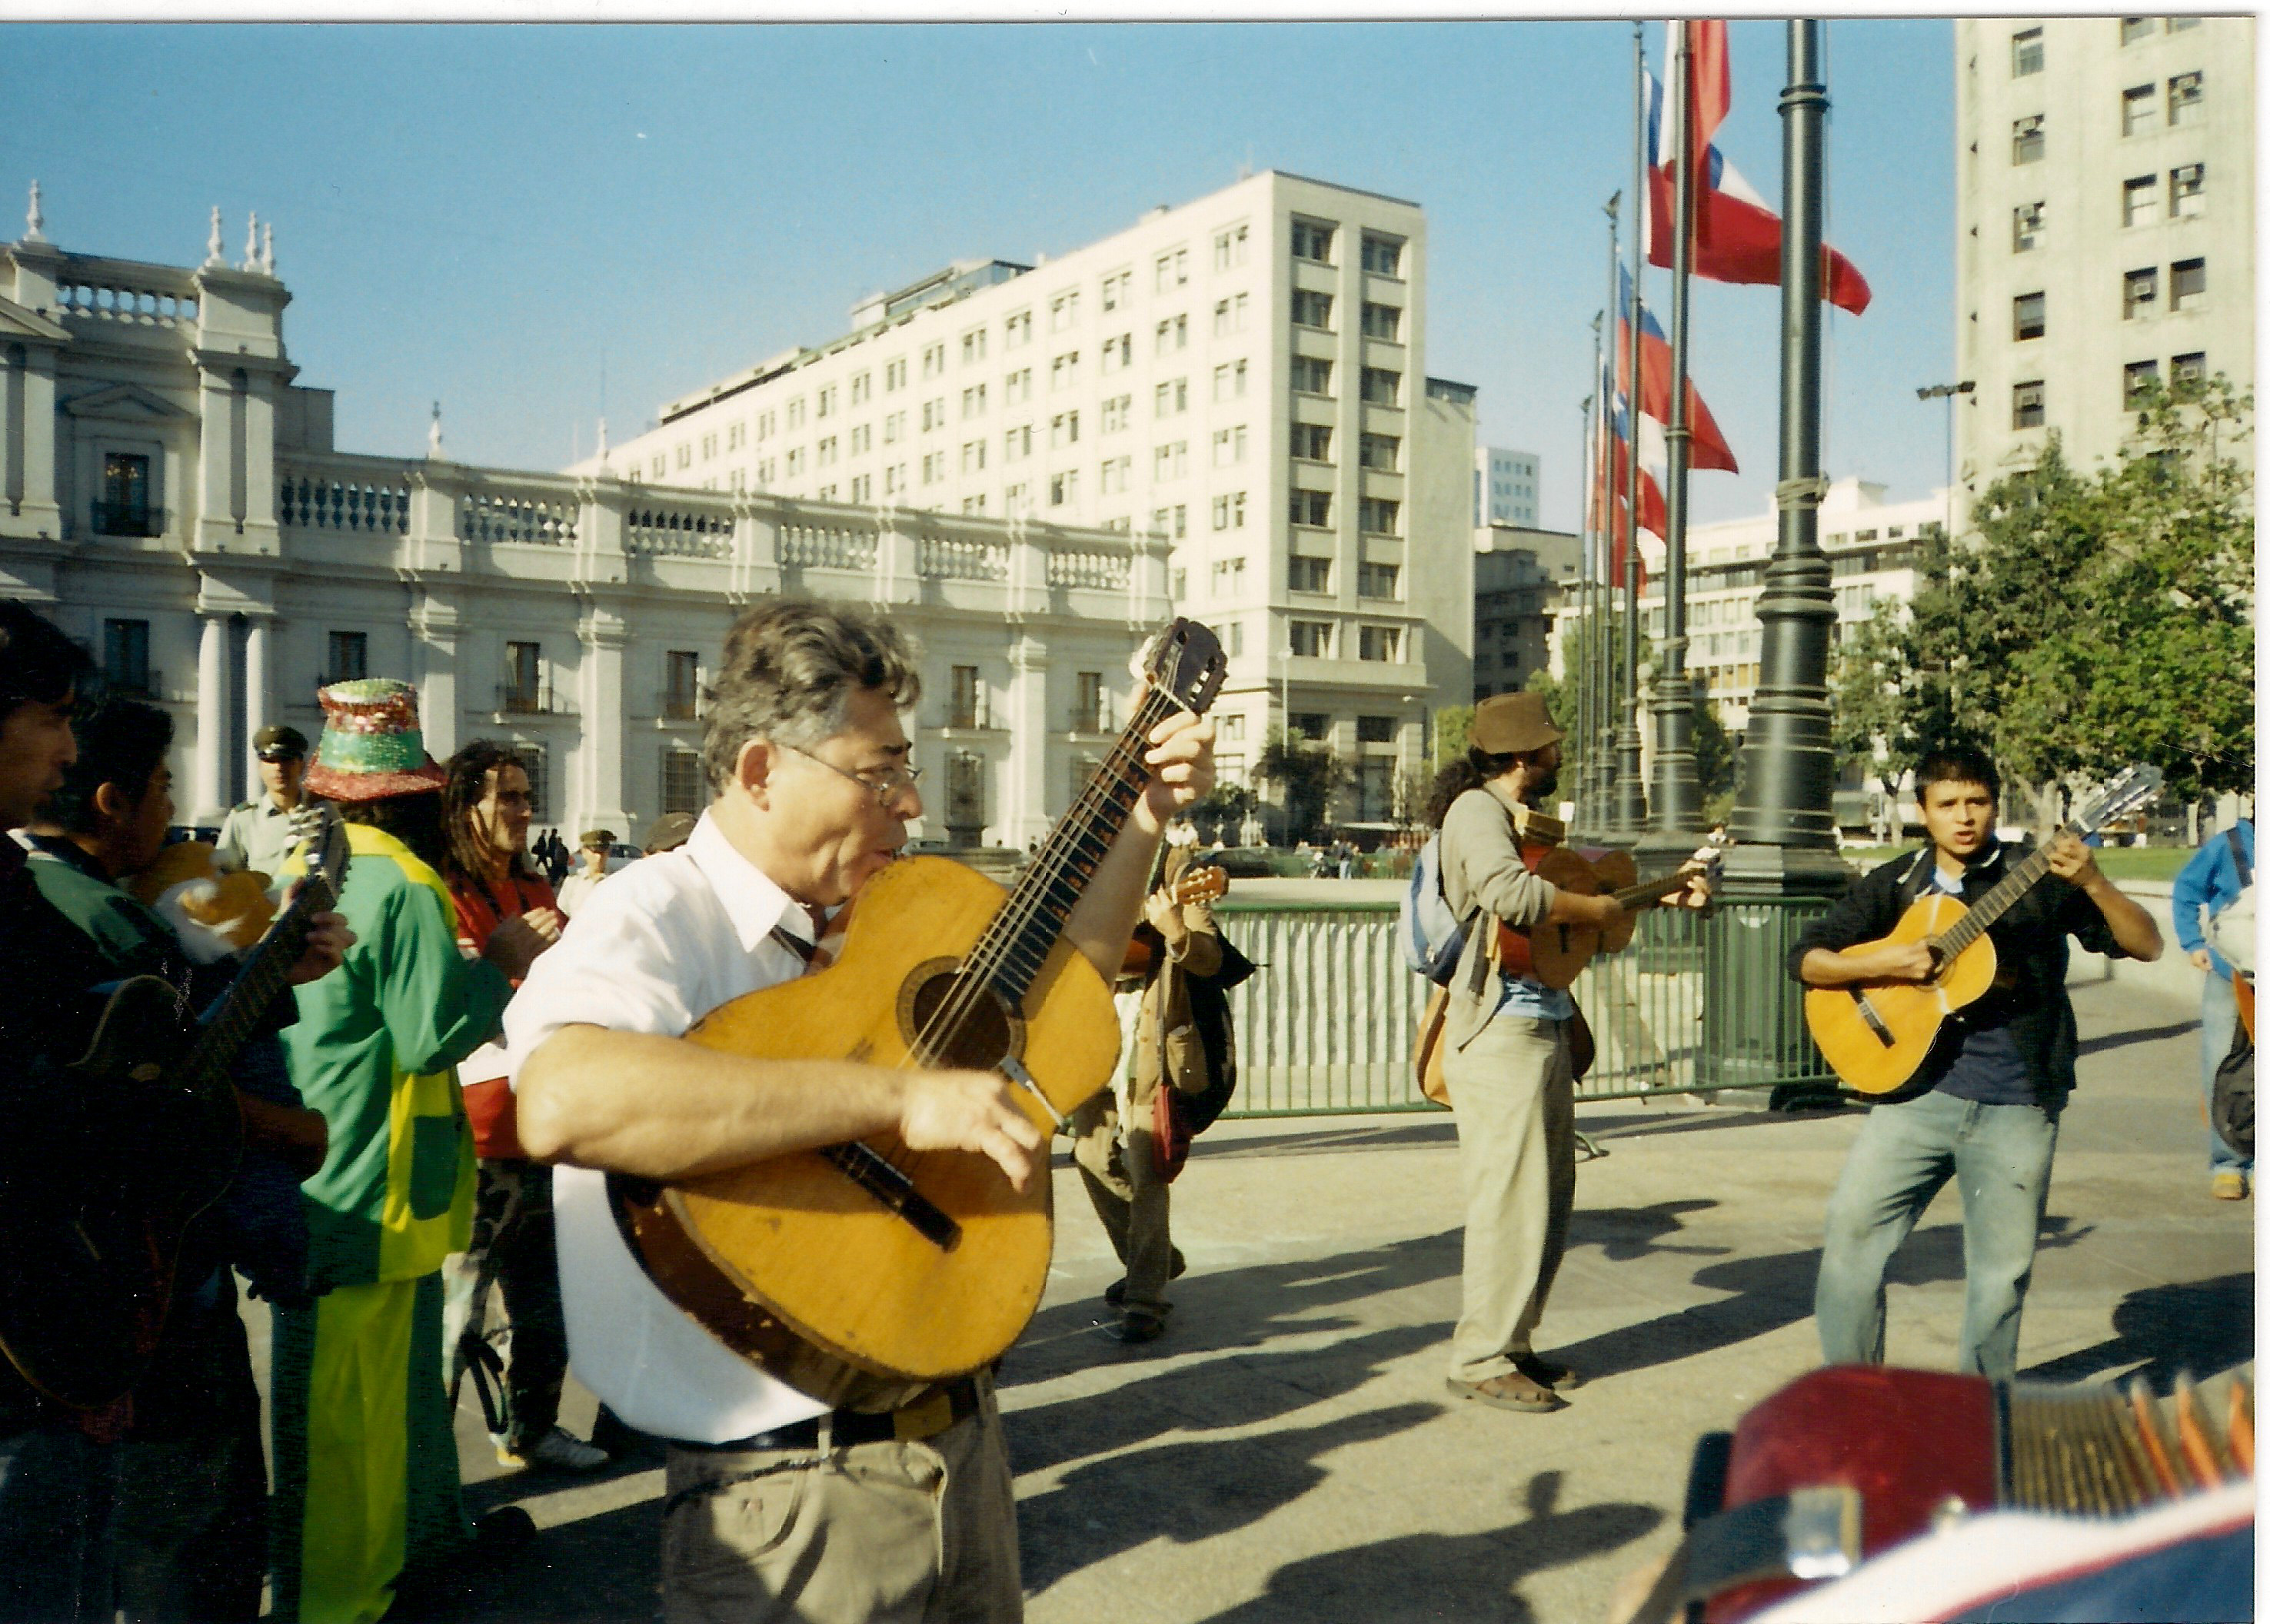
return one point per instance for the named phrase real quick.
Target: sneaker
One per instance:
(2228, 1186)
(557, 1450)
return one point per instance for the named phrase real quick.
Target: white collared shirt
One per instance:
(655, 949)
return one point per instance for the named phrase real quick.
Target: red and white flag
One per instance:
(1737, 234)
(1707, 446)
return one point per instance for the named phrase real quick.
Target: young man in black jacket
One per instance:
(1989, 1096)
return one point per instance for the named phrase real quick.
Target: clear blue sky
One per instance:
(476, 214)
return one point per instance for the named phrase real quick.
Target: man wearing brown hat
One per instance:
(1507, 1062)
(260, 834)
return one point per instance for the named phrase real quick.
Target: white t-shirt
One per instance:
(655, 949)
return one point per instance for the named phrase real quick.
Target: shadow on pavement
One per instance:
(2202, 1328)
(602, 1569)
(2136, 1034)
(1767, 1294)
(1448, 1576)
(1187, 1492)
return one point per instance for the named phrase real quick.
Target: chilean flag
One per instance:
(1708, 449)
(1611, 484)
(1736, 234)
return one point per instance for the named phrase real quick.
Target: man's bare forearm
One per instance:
(662, 1108)
(1104, 917)
(2136, 932)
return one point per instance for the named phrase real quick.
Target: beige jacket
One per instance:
(1483, 868)
(1193, 948)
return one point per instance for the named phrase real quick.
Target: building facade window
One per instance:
(1063, 429)
(1309, 506)
(1117, 289)
(2187, 191)
(1017, 330)
(1229, 249)
(894, 375)
(2025, 404)
(1383, 387)
(2028, 224)
(2136, 380)
(2140, 200)
(2186, 285)
(1112, 476)
(346, 656)
(1306, 575)
(973, 456)
(1379, 517)
(1311, 376)
(972, 402)
(1380, 581)
(2139, 109)
(2028, 142)
(2029, 316)
(1116, 414)
(2140, 294)
(1312, 640)
(1382, 453)
(126, 657)
(2187, 372)
(1088, 714)
(1064, 487)
(2135, 28)
(1118, 353)
(1312, 240)
(1172, 334)
(1171, 398)
(2025, 53)
(1230, 381)
(1230, 512)
(1312, 442)
(523, 678)
(1063, 371)
(682, 783)
(933, 358)
(1380, 642)
(1382, 257)
(1064, 312)
(1228, 446)
(972, 346)
(1375, 729)
(2186, 99)
(123, 508)
(681, 685)
(1312, 309)
(1383, 322)
(1170, 461)
(1017, 388)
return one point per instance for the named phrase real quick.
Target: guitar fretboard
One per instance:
(256, 985)
(1018, 939)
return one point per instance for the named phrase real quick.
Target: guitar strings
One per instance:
(1058, 855)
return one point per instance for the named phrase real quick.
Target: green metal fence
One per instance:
(1325, 1025)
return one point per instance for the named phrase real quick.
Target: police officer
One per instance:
(258, 834)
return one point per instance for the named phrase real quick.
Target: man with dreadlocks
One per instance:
(487, 806)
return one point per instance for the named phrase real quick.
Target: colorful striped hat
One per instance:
(372, 747)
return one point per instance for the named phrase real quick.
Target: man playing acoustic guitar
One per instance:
(777, 1507)
(1994, 1086)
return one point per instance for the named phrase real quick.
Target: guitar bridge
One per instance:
(1875, 1022)
(895, 1190)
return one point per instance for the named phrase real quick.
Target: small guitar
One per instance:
(88, 1271)
(1557, 953)
(1875, 1036)
(1200, 885)
(864, 1273)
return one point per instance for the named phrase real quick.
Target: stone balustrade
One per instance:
(673, 537)
(125, 293)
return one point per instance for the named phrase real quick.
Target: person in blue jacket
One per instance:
(2218, 883)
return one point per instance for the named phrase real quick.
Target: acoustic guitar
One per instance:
(87, 1273)
(1876, 1034)
(1556, 954)
(864, 1273)
(1199, 884)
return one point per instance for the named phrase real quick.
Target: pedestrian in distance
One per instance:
(2214, 903)
(261, 832)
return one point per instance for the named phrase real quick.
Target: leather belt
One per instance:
(925, 1418)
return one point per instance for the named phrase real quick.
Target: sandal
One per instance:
(1513, 1391)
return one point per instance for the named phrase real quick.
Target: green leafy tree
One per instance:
(1308, 776)
(1452, 723)
(2093, 619)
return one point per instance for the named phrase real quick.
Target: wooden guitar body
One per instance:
(1875, 1036)
(797, 1265)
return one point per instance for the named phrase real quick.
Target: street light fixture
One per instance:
(1947, 392)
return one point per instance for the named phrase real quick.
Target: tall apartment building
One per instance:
(1243, 375)
(1522, 575)
(2105, 215)
(1505, 487)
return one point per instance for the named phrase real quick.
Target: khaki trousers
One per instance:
(1514, 1096)
(1129, 1196)
(889, 1532)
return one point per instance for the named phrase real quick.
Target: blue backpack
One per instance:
(1431, 935)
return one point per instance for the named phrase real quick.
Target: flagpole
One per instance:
(1678, 795)
(1630, 785)
(1579, 672)
(1599, 738)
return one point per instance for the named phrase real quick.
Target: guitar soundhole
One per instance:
(949, 1018)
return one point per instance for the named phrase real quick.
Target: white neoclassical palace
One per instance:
(172, 498)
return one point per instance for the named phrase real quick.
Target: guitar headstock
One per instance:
(1185, 663)
(326, 852)
(1201, 885)
(2136, 786)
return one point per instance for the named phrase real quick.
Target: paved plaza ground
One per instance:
(1288, 1452)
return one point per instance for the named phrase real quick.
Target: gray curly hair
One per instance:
(789, 673)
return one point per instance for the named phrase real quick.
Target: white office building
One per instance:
(2104, 207)
(1242, 377)
(171, 497)
(1505, 488)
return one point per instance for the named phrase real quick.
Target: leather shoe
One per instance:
(1549, 1372)
(1116, 1293)
(1511, 1392)
(1137, 1326)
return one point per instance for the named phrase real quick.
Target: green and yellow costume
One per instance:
(366, 1461)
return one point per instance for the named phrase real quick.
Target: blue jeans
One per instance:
(1999, 1157)
(2218, 1021)
(57, 1558)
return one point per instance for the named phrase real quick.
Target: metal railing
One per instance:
(127, 519)
(1325, 1025)
(530, 699)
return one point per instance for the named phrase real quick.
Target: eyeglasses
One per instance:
(885, 785)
